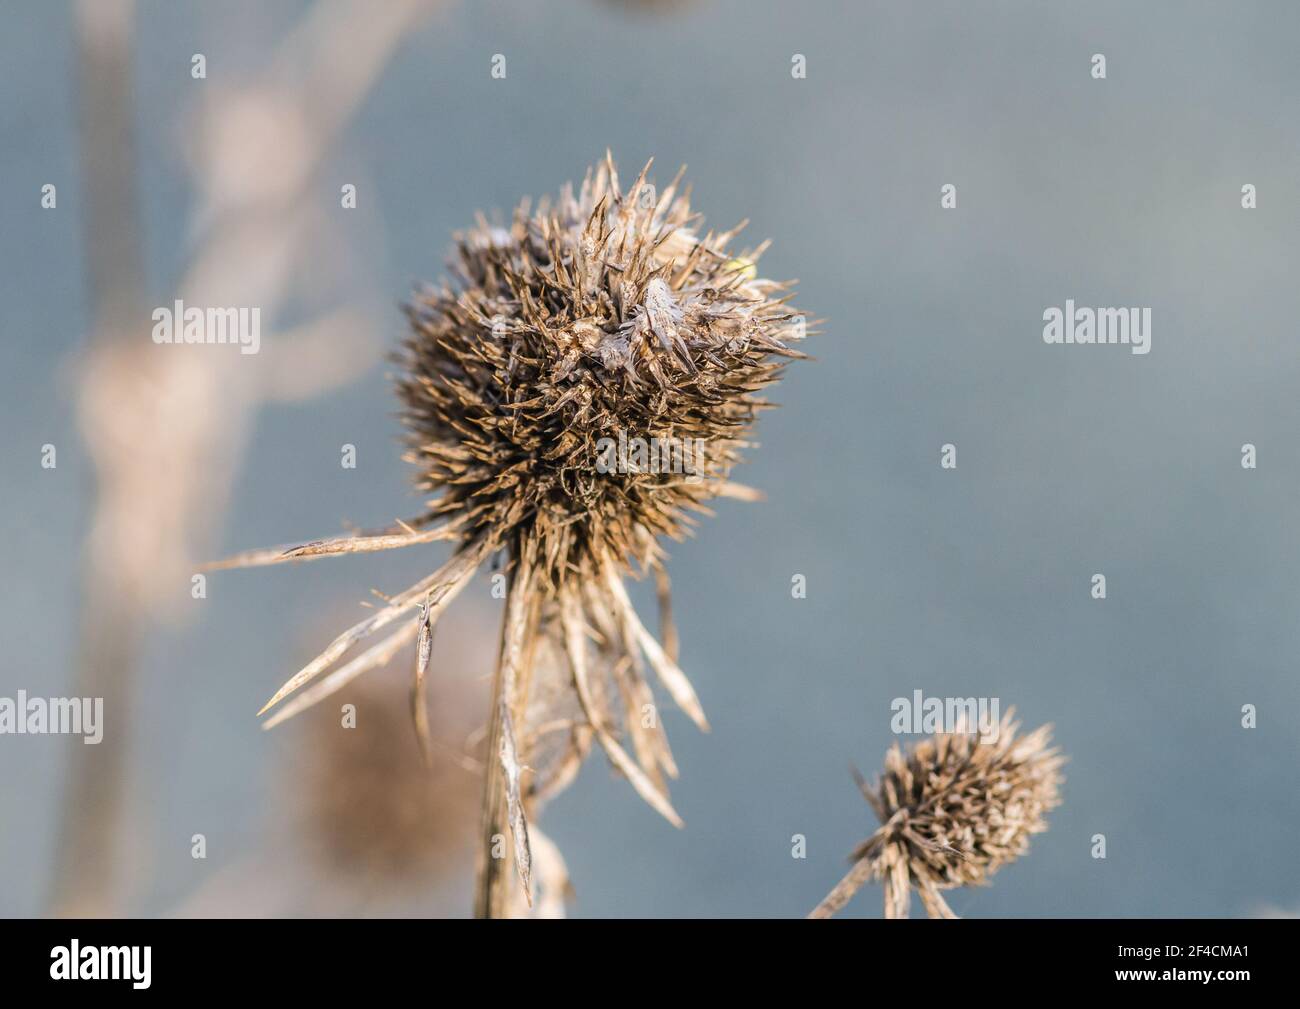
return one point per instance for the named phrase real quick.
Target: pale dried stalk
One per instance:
(85, 866)
(853, 881)
(501, 800)
(164, 431)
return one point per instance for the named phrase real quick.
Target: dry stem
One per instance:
(501, 802)
(844, 890)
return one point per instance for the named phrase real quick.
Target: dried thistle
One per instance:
(953, 811)
(597, 320)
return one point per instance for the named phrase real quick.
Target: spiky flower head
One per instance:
(585, 381)
(953, 810)
(591, 374)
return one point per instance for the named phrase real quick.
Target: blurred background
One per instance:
(973, 582)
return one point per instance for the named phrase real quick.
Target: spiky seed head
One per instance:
(597, 319)
(953, 810)
(961, 806)
(587, 378)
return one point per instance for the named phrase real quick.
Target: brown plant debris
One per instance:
(369, 810)
(953, 810)
(597, 320)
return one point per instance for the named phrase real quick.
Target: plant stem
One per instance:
(500, 788)
(844, 889)
(86, 870)
(490, 876)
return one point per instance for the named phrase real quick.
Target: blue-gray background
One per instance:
(1071, 460)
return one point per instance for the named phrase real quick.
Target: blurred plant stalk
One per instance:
(166, 427)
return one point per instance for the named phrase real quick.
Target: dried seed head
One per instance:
(589, 377)
(596, 322)
(953, 810)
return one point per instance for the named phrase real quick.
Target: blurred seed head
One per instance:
(374, 813)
